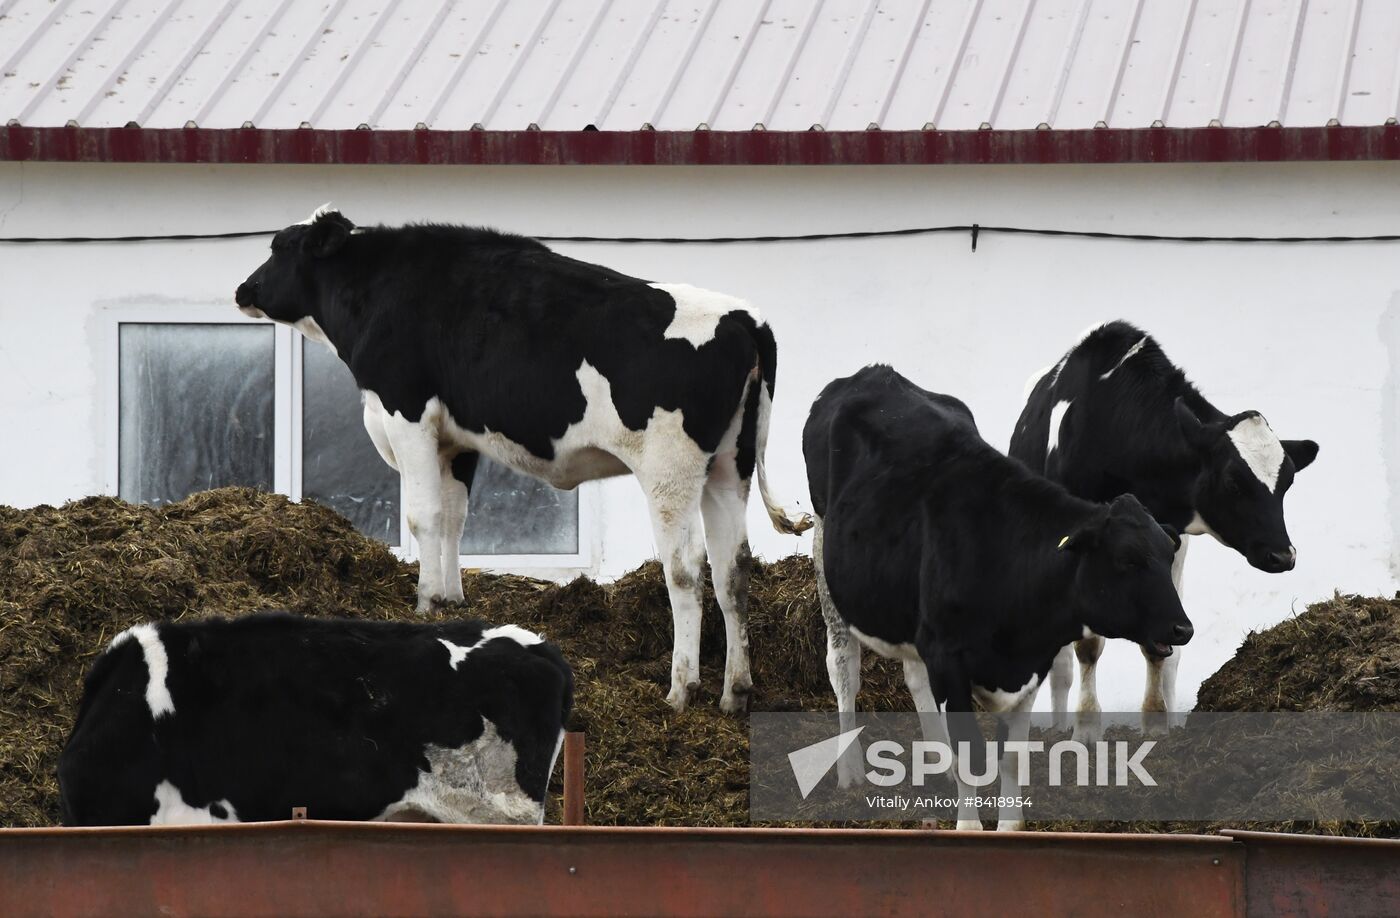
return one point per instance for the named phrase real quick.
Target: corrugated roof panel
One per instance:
(1098, 65)
(428, 68)
(1037, 72)
(1153, 64)
(674, 64)
(1374, 91)
(656, 65)
(709, 70)
(100, 51)
(565, 36)
(308, 90)
(816, 73)
(282, 42)
(46, 68)
(157, 63)
(1208, 65)
(875, 64)
(982, 74)
(362, 74)
(933, 63)
(1323, 61)
(223, 57)
(588, 94)
(1266, 57)
(767, 70)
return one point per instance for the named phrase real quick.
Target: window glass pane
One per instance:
(514, 514)
(339, 465)
(196, 409)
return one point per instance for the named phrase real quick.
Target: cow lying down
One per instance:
(241, 720)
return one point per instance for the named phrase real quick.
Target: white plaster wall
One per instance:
(1302, 333)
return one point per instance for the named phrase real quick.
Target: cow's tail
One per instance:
(784, 520)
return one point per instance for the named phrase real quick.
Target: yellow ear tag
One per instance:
(1062, 542)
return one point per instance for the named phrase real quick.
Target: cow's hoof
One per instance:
(1087, 736)
(1010, 825)
(429, 604)
(969, 825)
(1062, 723)
(1088, 732)
(679, 698)
(1156, 723)
(736, 700)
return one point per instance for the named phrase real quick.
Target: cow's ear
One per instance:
(1302, 452)
(326, 235)
(1191, 426)
(1086, 536)
(1172, 534)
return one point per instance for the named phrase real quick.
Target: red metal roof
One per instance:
(779, 82)
(789, 148)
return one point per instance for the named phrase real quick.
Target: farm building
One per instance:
(200, 126)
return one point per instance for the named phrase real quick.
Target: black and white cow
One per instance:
(1115, 416)
(933, 548)
(470, 342)
(240, 720)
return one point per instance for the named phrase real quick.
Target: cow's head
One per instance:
(1238, 494)
(284, 288)
(1123, 578)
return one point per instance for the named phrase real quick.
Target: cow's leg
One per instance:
(1088, 724)
(723, 506)
(1159, 698)
(376, 421)
(456, 486)
(1018, 720)
(415, 447)
(675, 521)
(1061, 678)
(842, 666)
(934, 727)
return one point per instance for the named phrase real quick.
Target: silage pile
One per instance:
(72, 577)
(1342, 654)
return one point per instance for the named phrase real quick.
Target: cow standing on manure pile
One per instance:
(933, 548)
(468, 342)
(240, 720)
(1115, 416)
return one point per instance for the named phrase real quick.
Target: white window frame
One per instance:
(287, 433)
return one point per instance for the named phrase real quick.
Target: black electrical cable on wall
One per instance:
(975, 229)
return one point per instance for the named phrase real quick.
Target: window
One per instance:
(235, 401)
(195, 409)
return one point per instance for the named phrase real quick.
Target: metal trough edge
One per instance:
(310, 867)
(1289, 874)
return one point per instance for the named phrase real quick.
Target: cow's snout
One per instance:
(1181, 632)
(246, 296)
(1277, 562)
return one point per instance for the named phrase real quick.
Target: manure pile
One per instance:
(1342, 654)
(72, 577)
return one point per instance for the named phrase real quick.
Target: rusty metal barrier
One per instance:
(314, 868)
(335, 868)
(1319, 875)
(573, 779)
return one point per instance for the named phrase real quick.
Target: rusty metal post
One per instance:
(573, 779)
